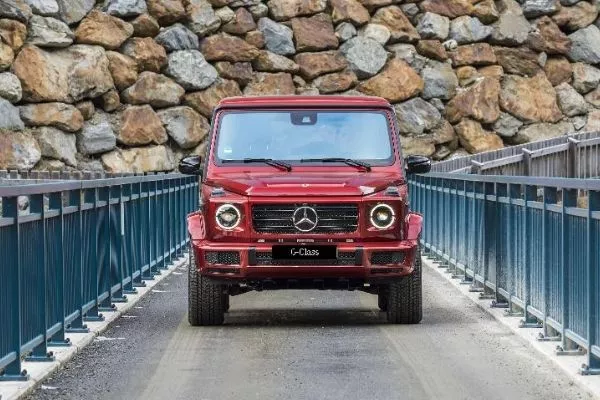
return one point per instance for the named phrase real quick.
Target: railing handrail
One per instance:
(565, 183)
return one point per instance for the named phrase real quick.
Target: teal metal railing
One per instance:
(531, 244)
(79, 247)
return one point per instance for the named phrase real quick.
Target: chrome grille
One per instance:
(278, 218)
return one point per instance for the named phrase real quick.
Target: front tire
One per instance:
(206, 300)
(405, 297)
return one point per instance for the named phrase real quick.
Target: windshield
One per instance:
(300, 136)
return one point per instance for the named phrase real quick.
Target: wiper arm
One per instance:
(269, 161)
(349, 161)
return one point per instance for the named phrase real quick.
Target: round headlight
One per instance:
(382, 216)
(228, 216)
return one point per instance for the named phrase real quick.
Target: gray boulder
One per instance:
(56, 144)
(49, 32)
(278, 37)
(46, 8)
(570, 102)
(433, 26)
(177, 37)
(416, 116)
(202, 19)
(440, 81)
(544, 130)
(466, 29)
(125, 8)
(345, 31)
(73, 11)
(190, 69)
(184, 125)
(512, 28)
(15, 9)
(507, 125)
(10, 87)
(97, 135)
(365, 56)
(585, 77)
(9, 116)
(537, 8)
(585, 45)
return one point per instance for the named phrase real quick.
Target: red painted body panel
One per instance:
(250, 184)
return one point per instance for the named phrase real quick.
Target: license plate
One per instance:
(304, 252)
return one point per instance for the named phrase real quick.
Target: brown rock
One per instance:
(255, 38)
(124, 69)
(449, 8)
(314, 33)
(315, 64)
(547, 37)
(166, 12)
(271, 62)
(286, 9)
(224, 47)
(86, 108)
(18, 150)
(13, 33)
(473, 54)
(397, 82)
(579, 16)
(145, 26)
(486, 11)
(432, 49)
(520, 61)
(417, 145)
(67, 75)
(59, 115)
(593, 97)
(141, 125)
(479, 101)
(184, 125)
(336, 82)
(492, 71)
(7, 56)
(592, 125)
(109, 101)
(466, 75)
(398, 24)
(104, 30)
(205, 101)
(239, 72)
(349, 11)
(443, 133)
(154, 89)
(529, 99)
(138, 160)
(375, 4)
(241, 23)
(264, 84)
(475, 139)
(558, 70)
(149, 55)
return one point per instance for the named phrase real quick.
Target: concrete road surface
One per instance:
(308, 345)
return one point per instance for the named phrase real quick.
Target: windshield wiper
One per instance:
(269, 161)
(349, 161)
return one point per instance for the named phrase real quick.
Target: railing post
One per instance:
(592, 265)
(550, 197)
(12, 252)
(527, 161)
(572, 158)
(529, 321)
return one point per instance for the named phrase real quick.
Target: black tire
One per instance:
(382, 300)
(405, 297)
(226, 302)
(206, 304)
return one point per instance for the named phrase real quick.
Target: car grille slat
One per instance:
(277, 219)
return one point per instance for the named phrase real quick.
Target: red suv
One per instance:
(304, 193)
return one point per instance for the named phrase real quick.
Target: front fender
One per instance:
(196, 226)
(413, 226)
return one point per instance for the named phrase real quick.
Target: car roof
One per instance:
(303, 101)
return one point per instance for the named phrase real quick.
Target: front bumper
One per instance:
(252, 261)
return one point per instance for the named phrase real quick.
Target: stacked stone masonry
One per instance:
(130, 85)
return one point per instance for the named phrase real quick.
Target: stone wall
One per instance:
(129, 85)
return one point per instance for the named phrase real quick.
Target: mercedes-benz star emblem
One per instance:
(305, 219)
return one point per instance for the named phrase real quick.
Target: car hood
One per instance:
(305, 183)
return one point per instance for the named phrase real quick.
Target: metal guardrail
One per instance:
(573, 156)
(80, 246)
(525, 242)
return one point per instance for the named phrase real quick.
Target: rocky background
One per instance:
(129, 85)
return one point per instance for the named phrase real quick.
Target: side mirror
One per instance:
(190, 165)
(418, 165)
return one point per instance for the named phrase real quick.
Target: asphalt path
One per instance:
(308, 345)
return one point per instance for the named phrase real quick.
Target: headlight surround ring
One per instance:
(376, 220)
(220, 216)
